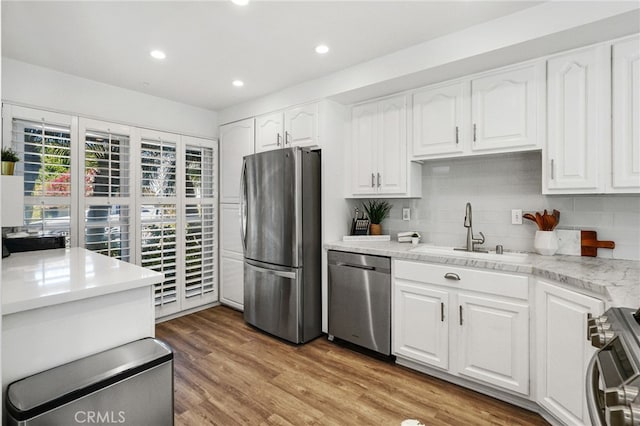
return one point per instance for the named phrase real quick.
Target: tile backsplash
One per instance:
(496, 184)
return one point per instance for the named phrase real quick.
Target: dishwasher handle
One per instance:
(349, 265)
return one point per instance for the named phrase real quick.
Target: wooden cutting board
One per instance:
(589, 243)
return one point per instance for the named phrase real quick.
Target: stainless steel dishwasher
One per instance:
(360, 300)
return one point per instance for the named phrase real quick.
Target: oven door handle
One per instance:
(592, 384)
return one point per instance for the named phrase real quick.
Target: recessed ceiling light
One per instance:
(240, 2)
(158, 54)
(322, 49)
(238, 83)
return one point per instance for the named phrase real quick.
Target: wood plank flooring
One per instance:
(228, 373)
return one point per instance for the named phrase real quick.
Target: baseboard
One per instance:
(466, 383)
(186, 312)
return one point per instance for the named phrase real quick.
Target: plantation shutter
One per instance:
(106, 188)
(200, 224)
(43, 141)
(159, 214)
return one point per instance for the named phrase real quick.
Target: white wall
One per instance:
(537, 31)
(496, 184)
(34, 86)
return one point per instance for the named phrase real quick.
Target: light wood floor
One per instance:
(228, 373)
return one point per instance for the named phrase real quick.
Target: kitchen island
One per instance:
(63, 304)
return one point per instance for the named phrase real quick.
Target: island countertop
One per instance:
(36, 279)
(617, 281)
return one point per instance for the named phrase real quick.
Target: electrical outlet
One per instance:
(516, 217)
(406, 213)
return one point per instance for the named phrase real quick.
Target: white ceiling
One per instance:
(268, 44)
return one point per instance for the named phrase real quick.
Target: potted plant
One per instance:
(377, 211)
(9, 160)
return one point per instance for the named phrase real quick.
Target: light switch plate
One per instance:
(406, 213)
(516, 217)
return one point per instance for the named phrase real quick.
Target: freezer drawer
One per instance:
(360, 300)
(272, 300)
(130, 384)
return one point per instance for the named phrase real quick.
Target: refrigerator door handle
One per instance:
(283, 274)
(243, 205)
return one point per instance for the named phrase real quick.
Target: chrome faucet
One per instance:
(471, 241)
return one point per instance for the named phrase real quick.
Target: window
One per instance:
(43, 141)
(138, 195)
(106, 187)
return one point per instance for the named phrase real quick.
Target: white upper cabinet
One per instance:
(505, 109)
(392, 146)
(301, 126)
(626, 116)
(497, 111)
(440, 119)
(269, 132)
(379, 164)
(297, 126)
(236, 141)
(578, 121)
(363, 148)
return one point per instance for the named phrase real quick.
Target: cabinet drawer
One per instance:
(498, 283)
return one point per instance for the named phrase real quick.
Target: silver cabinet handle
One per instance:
(457, 136)
(278, 139)
(474, 132)
(460, 314)
(452, 276)
(373, 180)
(442, 311)
(287, 138)
(378, 180)
(552, 167)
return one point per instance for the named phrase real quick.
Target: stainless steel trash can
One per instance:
(131, 384)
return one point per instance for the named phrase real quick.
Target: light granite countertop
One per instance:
(617, 281)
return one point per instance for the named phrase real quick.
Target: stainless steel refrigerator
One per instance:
(281, 218)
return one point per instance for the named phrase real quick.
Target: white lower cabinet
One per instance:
(469, 323)
(420, 327)
(493, 341)
(563, 351)
(231, 257)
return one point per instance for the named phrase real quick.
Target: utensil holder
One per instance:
(545, 243)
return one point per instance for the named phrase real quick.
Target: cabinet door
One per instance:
(236, 141)
(391, 177)
(563, 351)
(232, 281)
(231, 257)
(578, 108)
(301, 126)
(494, 341)
(269, 133)
(626, 116)
(420, 324)
(504, 109)
(364, 148)
(438, 117)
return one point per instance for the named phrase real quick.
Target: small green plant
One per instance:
(10, 155)
(376, 210)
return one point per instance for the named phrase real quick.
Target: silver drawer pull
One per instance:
(452, 276)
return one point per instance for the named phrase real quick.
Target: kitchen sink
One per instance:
(492, 255)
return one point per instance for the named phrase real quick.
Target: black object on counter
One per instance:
(17, 245)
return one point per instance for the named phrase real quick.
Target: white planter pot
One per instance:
(545, 243)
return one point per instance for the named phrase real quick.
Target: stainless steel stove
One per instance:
(613, 376)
